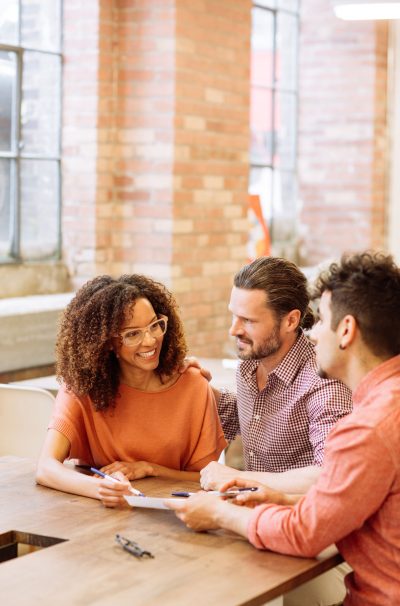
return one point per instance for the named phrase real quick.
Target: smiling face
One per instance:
(255, 326)
(144, 356)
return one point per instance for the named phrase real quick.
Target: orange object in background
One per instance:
(260, 238)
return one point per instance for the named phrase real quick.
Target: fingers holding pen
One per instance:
(111, 489)
(252, 498)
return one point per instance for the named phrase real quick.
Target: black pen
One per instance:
(228, 493)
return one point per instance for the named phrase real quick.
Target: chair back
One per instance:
(24, 417)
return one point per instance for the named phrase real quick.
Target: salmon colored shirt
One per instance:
(356, 500)
(178, 427)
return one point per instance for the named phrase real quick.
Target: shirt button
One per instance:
(256, 417)
(251, 453)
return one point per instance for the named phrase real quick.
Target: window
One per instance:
(30, 120)
(273, 120)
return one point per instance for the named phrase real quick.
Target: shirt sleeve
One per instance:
(355, 480)
(68, 419)
(326, 404)
(228, 414)
(211, 441)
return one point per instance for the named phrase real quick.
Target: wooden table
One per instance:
(90, 568)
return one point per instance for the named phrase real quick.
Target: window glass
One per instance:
(284, 207)
(5, 215)
(30, 126)
(40, 24)
(273, 121)
(261, 126)
(285, 128)
(40, 112)
(289, 5)
(39, 209)
(9, 21)
(8, 85)
(267, 3)
(286, 51)
(262, 48)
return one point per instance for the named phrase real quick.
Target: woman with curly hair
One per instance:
(123, 405)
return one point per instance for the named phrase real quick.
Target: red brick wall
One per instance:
(342, 135)
(156, 149)
(211, 162)
(80, 137)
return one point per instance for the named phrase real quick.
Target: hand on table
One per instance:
(214, 475)
(133, 470)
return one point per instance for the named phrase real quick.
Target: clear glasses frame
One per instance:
(132, 337)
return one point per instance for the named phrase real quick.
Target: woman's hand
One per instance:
(263, 494)
(111, 493)
(133, 470)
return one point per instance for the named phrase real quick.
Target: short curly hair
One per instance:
(367, 286)
(85, 360)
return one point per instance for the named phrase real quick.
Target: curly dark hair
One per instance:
(85, 361)
(284, 284)
(367, 286)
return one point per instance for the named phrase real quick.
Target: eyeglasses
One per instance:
(134, 336)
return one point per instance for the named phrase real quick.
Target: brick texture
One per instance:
(155, 148)
(342, 133)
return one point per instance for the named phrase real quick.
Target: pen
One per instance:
(228, 493)
(105, 475)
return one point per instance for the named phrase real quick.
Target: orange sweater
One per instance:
(178, 428)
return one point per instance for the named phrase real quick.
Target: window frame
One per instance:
(16, 153)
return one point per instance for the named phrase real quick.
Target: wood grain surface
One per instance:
(90, 568)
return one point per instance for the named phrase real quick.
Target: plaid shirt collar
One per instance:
(287, 369)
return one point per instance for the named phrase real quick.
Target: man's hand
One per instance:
(199, 512)
(133, 470)
(214, 475)
(192, 361)
(263, 494)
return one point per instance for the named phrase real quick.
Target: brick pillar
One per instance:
(80, 137)
(211, 162)
(342, 136)
(167, 151)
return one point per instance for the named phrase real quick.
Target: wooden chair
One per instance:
(24, 416)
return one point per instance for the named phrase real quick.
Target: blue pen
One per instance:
(105, 475)
(228, 493)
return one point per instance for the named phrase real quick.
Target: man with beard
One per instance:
(282, 409)
(355, 502)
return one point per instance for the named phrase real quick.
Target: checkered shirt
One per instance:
(284, 425)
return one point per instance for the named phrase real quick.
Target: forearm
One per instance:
(232, 517)
(296, 482)
(54, 474)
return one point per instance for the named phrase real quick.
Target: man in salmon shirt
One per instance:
(355, 502)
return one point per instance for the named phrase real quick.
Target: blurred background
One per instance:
(180, 139)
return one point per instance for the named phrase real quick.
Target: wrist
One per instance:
(153, 470)
(221, 513)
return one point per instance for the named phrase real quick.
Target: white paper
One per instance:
(150, 502)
